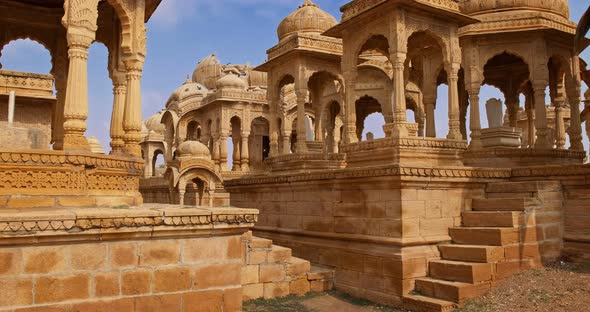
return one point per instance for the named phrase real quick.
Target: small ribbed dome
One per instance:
(95, 146)
(231, 81)
(308, 18)
(188, 89)
(193, 149)
(207, 71)
(154, 122)
(474, 7)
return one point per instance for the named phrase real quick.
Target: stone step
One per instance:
(427, 304)
(511, 195)
(504, 204)
(484, 236)
(471, 253)
(452, 291)
(320, 273)
(297, 266)
(522, 187)
(261, 243)
(458, 271)
(278, 254)
(492, 218)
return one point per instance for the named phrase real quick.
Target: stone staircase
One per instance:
(499, 237)
(270, 271)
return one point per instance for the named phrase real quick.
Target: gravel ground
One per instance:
(561, 287)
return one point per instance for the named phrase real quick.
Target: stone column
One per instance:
(301, 146)
(11, 103)
(542, 141)
(559, 124)
(132, 114)
(286, 143)
(237, 165)
(76, 101)
(223, 152)
(350, 108)
(512, 106)
(215, 152)
(429, 103)
(474, 118)
(117, 131)
(273, 125)
(399, 97)
(454, 124)
(575, 129)
(586, 105)
(245, 151)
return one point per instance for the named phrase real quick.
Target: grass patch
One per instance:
(290, 303)
(121, 207)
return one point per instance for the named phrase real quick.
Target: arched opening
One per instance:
(287, 104)
(193, 131)
(331, 129)
(195, 192)
(32, 114)
(558, 114)
(366, 106)
(168, 119)
(158, 164)
(258, 143)
(324, 87)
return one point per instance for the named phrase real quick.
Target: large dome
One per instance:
(474, 7)
(187, 90)
(208, 71)
(154, 122)
(193, 149)
(308, 18)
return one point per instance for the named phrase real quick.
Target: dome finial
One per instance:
(308, 3)
(188, 79)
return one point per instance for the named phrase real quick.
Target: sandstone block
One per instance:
(126, 304)
(10, 261)
(106, 284)
(159, 252)
(272, 273)
(15, 291)
(43, 260)
(204, 249)
(203, 301)
(252, 291)
(217, 275)
(135, 282)
(61, 288)
(123, 255)
(232, 300)
(159, 303)
(321, 286)
(299, 287)
(30, 202)
(276, 290)
(76, 201)
(250, 274)
(257, 257)
(172, 279)
(88, 257)
(467, 272)
(296, 266)
(278, 254)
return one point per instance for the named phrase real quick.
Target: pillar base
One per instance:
(74, 142)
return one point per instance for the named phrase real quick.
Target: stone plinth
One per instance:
(153, 258)
(308, 161)
(501, 137)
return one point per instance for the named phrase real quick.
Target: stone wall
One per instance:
(150, 259)
(376, 229)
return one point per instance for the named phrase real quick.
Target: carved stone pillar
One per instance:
(237, 165)
(454, 124)
(399, 97)
(559, 125)
(429, 103)
(117, 130)
(273, 125)
(542, 141)
(532, 135)
(575, 129)
(350, 109)
(76, 101)
(286, 136)
(58, 124)
(245, 151)
(132, 114)
(301, 146)
(215, 152)
(223, 152)
(474, 118)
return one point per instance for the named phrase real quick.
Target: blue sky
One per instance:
(181, 33)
